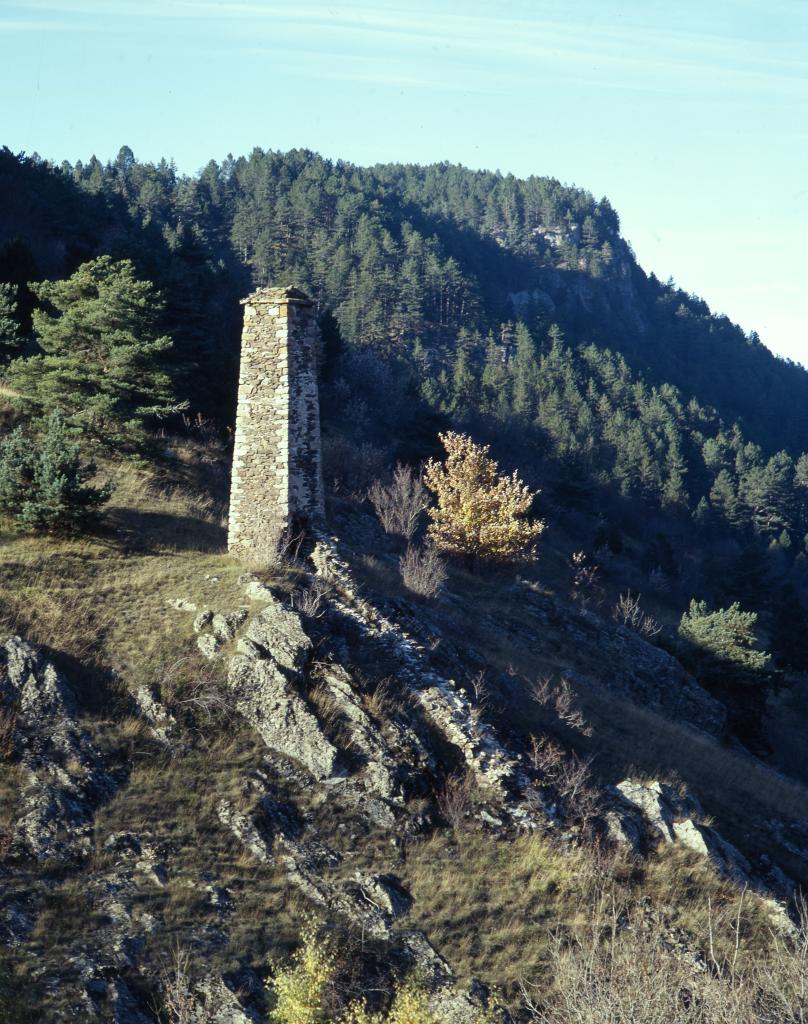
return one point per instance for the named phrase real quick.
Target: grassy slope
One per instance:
(100, 605)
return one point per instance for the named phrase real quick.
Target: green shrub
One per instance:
(42, 480)
(723, 639)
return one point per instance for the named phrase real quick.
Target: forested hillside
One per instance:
(399, 253)
(505, 304)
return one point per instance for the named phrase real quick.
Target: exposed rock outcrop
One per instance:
(446, 707)
(277, 632)
(266, 698)
(160, 719)
(673, 818)
(63, 776)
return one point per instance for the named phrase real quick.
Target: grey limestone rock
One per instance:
(451, 712)
(244, 828)
(379, 774)
(386, 893)
(160, 719)
(266, 699)
(209, 645)
(278, 632)
(660, 804)
(202, 620)
(255, 589)
(673, 818)
(224, 625)
(218, 1004)
(63, 773)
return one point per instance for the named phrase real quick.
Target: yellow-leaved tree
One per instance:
(480, 513)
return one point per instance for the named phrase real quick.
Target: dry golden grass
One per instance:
(102, 602)
(625, 968)
(493, 907)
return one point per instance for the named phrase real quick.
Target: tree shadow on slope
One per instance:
(153, 532)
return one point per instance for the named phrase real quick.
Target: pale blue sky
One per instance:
(692, 117)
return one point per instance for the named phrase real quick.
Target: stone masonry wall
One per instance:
(277, 472)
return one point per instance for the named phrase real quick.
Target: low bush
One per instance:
(722, 640)
(305, 988)
(43, 480)
(423, 571)
(480, 514)
(400, 503)
(628, 612)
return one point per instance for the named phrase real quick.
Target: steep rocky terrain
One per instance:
(207, 752)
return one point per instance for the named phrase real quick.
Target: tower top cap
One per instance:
(276, 296)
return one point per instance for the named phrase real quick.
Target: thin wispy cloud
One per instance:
(17, 25)
(631, 55)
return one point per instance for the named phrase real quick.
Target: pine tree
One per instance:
(10, 336)
(43, 480)
(496, 389)
(525, 371)
(724, 499)
(465, 385)
(701, 513)
(101, 359)
(724, 640)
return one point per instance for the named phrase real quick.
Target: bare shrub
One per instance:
(179, 1004)
(310, 601)
(585, 586)
(400, 504)
(203, 695)
(349, 468)
(557, 697)
(568, 774)
(627, 612)
(544, 756)
(455, 799)
(622, 968)
(478, 684)
(204, 428)
(423, 571)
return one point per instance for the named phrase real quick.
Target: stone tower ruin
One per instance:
(277, 472)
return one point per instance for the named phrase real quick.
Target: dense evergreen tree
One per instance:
(723, 641)
(43, 480)
(100, 350)
(10, 332)
(398, 252)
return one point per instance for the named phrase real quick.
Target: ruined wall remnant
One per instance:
(277, 473)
